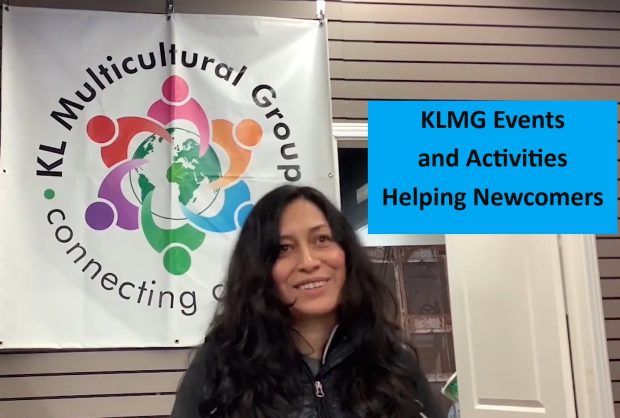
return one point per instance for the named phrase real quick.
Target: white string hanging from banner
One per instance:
(169, 8)
(320, 10)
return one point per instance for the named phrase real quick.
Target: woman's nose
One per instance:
(307, 259)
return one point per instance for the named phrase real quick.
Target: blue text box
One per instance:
(492, 167)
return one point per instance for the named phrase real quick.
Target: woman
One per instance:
(305, 328)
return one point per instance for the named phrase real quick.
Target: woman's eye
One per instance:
(322, 239)
(284, 248)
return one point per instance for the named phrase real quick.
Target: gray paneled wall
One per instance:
(401, 49)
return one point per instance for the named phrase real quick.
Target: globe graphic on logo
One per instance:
(176, 175)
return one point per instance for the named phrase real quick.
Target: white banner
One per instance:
(133, 147)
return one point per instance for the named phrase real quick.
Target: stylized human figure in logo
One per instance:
(177, 106)
(100, 214)
(248, 134)
(177, 242)
(102, 130)
(237, 207)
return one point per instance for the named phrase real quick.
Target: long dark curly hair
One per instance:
(249, 372)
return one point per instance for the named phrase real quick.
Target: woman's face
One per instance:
(310, 270)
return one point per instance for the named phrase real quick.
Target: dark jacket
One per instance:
(320, 396)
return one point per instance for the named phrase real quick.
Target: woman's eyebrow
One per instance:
(318, 227)
(312, 230)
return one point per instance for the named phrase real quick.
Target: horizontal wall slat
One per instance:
(93, 384)
(474, 72)
(612, 329)
(495, 91)
(613, 347)
(93, 361)
(608, 248)
(611, 308)
(336, 49)
(475, 34)
(142, 6)
(121, 406)
(551, 4)
(611, 289)
(463, 16)
(479, 53)
(342, 109)
(609, 268)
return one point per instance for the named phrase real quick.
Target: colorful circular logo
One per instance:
(183, 183)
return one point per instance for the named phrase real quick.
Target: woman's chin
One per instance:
(316, 308)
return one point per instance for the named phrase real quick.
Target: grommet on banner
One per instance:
(6, 5)
(320, 11)
(169, 8)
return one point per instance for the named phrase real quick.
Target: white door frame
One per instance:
(586, 323)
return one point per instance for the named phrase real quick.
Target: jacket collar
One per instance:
(329, 343)
(338, 348)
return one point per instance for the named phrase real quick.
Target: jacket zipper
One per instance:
(318, 392)
(319, 389)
